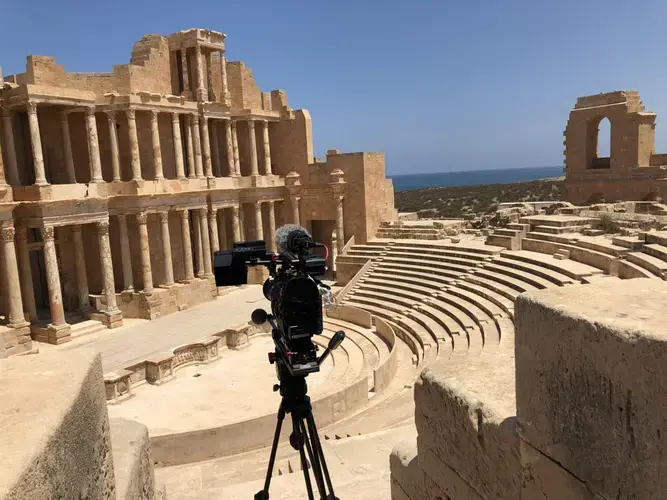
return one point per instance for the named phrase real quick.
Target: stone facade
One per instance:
(633, 171)
(117, 188)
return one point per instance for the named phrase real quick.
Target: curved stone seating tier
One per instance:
(444, 268)
(518, 275)
(399, 280)
(461, 262)
(491, 308)
(628, 270)
(467, 247)
(421, 270)
(438, 252)
(599, 260)
(506, 278)
(494, 296)
(386, 286)
(545, 275)
(569, 268)
(648, 262)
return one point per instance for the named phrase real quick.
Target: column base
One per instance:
(255, 180)
(112, 319)
(167, 286)
(211, 182)
(59, 334)
(16, 339)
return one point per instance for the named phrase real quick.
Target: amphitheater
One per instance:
(523, 363)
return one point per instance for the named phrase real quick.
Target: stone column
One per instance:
(3, 181)
(222, 229)
(267, 148)
(215, 150)
(272, 226)
(199, 256)
(16, 316)
(231, 165)
(12, 170)
(157, 150)
(128, 278)
(53, 277)
(235, 145)
(191, 148)
(199, 170)
(187, 245)
(254, 169)
(166, 249)
(93, 146)
(340, 234)
(184, 70)
(259, 229)
(178, 146)
(213, 229)
(206, 147)
(134, 145)
(27, 289)
(81, 275)
(209, 76)
(107, 266)
(206, 242)
(142, 220)
(202, 95)
(113, 136)
(67, 147)
(36, 144)
(236, 224)
(223, 78)
(294, 205)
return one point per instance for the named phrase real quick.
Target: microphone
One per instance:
(292, 238)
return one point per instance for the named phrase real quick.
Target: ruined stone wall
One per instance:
(243, 90)
(292, 144)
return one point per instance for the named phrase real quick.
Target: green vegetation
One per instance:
(607, 224)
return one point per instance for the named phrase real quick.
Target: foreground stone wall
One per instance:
(591, 381)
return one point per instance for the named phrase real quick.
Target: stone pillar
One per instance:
(187, 245)
(184, 70)
(81, 275)
(12, 171)
(107, 268)
(113, 136)
(254, 169)
(206, 147)
(205, 242)
(294, 205)
(209, 76)
(166, 249)
(128, 278)
(236, 224)
(235, 145)
(67, 147)
(202, 95)
(272, 226)
(134, 145)
(142, 220)
(267, 148)
(36, 144)
(199, 256)
(199, 170)
(27, 289)
(231, 165)
(215, 151)
(157, 150)
(3, 181)
(259, 229)
(53, 277)
(191, 148)
(223, 78)
(213, 229)
(16, 316)
(178, 146)
(93, 146)
(222, 229)
(340, 234)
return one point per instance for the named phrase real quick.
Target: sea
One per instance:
(474, 177)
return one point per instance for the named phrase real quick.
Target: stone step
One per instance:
(506, 232)
(362, 253)
(556, 220)
(474, 312)
(631, 242)
(508, 242)
(455, 329)
(629, 270)
(445, 252)
(423, 271)
(514, 272)
(657, 237)
(559, 229)
(489, 307)
(599, 260)
(566, 239)
(428, 262)
(602, 245)
(541, 271)
(395, 283)
(648, 262)
(438, 257)
(391, 297)
(657, 251)
(468, 247)
(391, 290)
(424, 336)
(351, 259)
(502, 278)
(461, 317)
(508, 292)
(569, 268)
(500, 301)
(408, 278)
(522, 228)
(86, 328)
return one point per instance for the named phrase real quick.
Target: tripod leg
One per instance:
(264, 494)
(300, 438)
(314, 460)
(320, 452)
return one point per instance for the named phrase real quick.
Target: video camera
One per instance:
(292, 288)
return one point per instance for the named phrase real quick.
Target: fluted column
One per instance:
(113, 136)
(213, 229)
(272, 226)
(25, 269)
(187, 245)
(102, 228)
(36, 144)
(16, 316)
(199, 256)
(147, 274)
(184, 70)
(11, 168)
(157, 150)
(93, 146)
(231, 169)
(259, 229)
(202, 95)
(166, 249)
(205, 242)
(340, 233)
(199, 170)
(236, 225)
(67, 147)
(126, 257)
(223, 78)
(215, 150)
(267, 148)
(134, 145)
(80, 265)
(254, 169)
(191, 148)
(178, 146)
(235, 145)
(53, 277)
(206, 147)
(294, 205)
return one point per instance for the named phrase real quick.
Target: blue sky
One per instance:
(437, 85)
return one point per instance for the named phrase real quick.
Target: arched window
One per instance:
(599, 143)
(604, 138)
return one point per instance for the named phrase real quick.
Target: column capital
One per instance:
(76, 228)
(48, 233)
(64, 116)
(7, 233)
(142, 218)
(102, 227)
(154, 113)
(203, 211)
(131, 114)
(90, 110)
(31, 107)
(111, 116)
(194, 119)
(164, 217)
(236, 210)
(23, 234)
(175, 117)
(251, 124)
(183, 213)
(122, 217)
